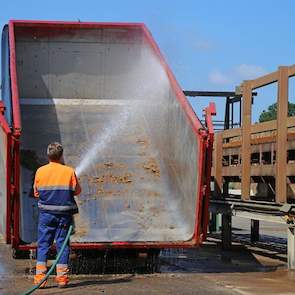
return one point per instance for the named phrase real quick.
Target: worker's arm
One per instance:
(36, 183)
(75, 184)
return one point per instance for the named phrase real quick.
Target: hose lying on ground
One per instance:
(34, 288)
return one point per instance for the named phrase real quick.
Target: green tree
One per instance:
(271, 112)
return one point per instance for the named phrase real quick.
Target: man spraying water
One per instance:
(55, 185)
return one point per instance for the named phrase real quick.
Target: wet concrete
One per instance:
(208, 270)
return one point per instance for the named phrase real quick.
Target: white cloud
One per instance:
(217, 77)
(203, 45)
(236, 75)
(249, 71)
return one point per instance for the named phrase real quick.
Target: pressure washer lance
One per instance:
(53, 265)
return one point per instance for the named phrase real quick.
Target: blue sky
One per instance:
(210, 45)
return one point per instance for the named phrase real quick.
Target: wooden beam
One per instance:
(291, 71)
(281, 153)
(256, 128)
(217, 172)
(230, 171)
(264, 80)
(256, 170)
(264, 126)
(232, 133)
(258, 140)
(246, 136)
(291, 169)
(291, 122)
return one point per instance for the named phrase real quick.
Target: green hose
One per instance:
(53, 265)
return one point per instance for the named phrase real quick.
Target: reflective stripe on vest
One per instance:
(57, 207)
(55, 187)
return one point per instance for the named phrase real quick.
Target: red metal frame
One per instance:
(4, 125)
(198, 229)
(209, 112)
(122, 245)
(194, 121)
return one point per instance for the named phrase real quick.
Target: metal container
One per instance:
(105, 92)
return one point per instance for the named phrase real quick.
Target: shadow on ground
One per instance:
(211, 258)
(209, 268)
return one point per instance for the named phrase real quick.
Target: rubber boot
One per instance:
(62, 277)
(41, 270)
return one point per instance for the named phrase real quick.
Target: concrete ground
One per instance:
(245, 269)
(276, 230)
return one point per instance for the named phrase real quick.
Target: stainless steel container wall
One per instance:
(105, 90)
(3, 186)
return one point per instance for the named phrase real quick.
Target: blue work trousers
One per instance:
(53, 227)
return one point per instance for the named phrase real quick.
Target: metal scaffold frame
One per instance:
(239, 156)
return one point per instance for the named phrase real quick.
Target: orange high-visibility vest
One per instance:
(56, 184)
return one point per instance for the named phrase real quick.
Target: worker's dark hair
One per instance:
(54, 151)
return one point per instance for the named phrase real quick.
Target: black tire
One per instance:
(153, 261)
(114, 261)
(20, 254)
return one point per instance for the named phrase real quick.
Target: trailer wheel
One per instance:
(20, 254)
(153, 261)
(87, 262)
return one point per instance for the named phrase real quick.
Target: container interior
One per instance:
(3, 184)
(104, 94)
